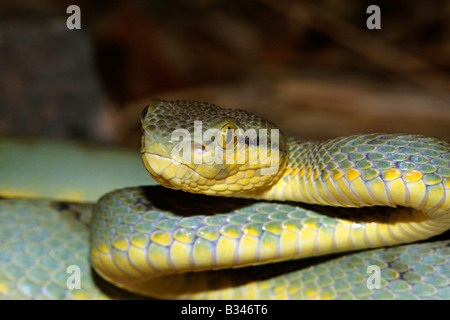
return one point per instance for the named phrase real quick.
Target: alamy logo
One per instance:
(374, 280)
(374, 20)
(228, 145)
(74, 280)
(74, 20)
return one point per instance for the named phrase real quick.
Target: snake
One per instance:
(262, 215)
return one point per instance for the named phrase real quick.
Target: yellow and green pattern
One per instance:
(245, 234)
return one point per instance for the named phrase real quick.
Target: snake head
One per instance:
(201, 148)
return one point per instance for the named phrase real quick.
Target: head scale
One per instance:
(202, 148)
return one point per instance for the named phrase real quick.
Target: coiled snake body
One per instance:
(155, 241)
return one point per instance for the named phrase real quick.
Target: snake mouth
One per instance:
(161, 169)
(175, 174)
(203, 178)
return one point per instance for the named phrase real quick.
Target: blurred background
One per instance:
(312, 67)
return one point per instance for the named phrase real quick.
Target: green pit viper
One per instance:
(296, 233)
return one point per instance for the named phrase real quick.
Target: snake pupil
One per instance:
(229, 135)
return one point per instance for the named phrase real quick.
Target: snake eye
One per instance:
(228, 136)
(144, 113)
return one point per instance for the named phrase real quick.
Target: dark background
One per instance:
(312, 67)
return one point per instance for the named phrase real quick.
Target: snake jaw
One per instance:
(171, 170)
(155, 166)
(177, 175)
(209, 179)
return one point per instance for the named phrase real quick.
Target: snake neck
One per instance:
(364, 170)
(297, 179)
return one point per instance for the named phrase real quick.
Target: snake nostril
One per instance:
(199, 148)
